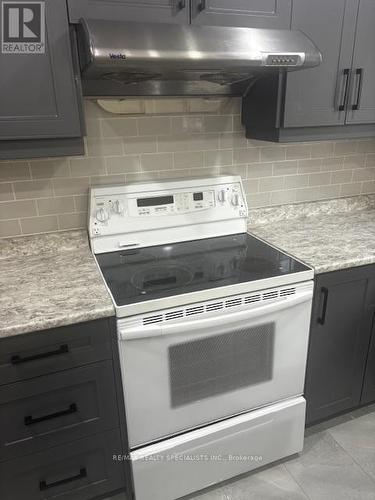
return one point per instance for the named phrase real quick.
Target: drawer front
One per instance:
(77, 471)
(55, 409)
(185, 464)
(34, 354)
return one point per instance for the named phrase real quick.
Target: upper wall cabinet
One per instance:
(247, 13)
(161, 11)
(361, 101)
(38, 99)
(335, 99)
(316, 96)
(340, 91)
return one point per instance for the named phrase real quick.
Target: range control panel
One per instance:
(166, 206)
(183, 202)
(109, 207)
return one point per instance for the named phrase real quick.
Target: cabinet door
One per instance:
(368, 393)
(338, 345)
(361, 106)
(38, 97)
(314, 96)
(156, 11)
(246, 13)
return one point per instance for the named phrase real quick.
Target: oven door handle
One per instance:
(190, 324)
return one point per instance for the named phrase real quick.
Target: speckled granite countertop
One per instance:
(47, 281)
(327, 235)
(52, 280)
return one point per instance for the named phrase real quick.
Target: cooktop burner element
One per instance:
(178, 268)
(160, 278)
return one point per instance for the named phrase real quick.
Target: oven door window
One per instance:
(219, 364)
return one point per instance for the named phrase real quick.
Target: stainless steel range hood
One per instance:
(150, 59)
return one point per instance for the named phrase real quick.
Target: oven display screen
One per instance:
(198, 196)
(152, 202)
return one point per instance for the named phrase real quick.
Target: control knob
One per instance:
(118, 207)
(222, 196)
(102, 215)
(235, 199)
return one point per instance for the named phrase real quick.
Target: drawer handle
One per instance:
(322, 318)
(16, 359)
(29, 420)
(43, 485)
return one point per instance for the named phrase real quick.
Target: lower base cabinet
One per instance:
(368, 392)
(340, 372)
(62, 414)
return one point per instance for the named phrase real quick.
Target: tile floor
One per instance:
(337, 463)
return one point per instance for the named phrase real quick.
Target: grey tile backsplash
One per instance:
(47, 195)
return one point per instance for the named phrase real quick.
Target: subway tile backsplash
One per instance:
(174, 139)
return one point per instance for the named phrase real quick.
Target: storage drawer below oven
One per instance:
(200, 458)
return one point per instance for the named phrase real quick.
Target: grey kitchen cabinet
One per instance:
(246, 13)
(334, 100)
(39, 99)
(361, 103)
(344, 83)
(368, 392)
(62, 414)
(339, 343)
(162, 11)
(314, 96)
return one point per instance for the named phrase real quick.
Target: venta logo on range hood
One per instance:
(117, 56)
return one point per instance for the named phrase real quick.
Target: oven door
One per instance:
(190, 369)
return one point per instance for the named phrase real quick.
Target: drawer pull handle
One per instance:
(29, 420)
(43, 485)
(322, 318)
(16, 359)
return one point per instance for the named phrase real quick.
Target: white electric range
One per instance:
(213, 328)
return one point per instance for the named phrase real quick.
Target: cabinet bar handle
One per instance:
(43, 485)
(202, 5)
(29, 420)
(16, 359)
(359, 76)
(346, 76)
(322, 318)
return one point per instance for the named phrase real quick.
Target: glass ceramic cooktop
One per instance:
(161, 271)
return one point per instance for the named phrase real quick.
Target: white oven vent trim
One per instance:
(217, 305)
